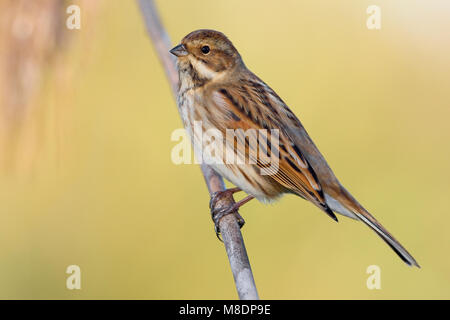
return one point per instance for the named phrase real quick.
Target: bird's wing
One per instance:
(247, 107)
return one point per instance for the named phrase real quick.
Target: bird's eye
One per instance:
(205, 49)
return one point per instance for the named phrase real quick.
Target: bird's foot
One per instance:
(219, 195)
(218, 213)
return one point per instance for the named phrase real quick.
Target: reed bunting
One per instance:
(217, 91)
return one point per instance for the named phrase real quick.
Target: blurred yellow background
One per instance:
(88, 179)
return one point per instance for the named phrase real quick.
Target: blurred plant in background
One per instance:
(33, 45)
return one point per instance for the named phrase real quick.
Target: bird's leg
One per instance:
(218, 214)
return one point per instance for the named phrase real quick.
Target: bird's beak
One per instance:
(179, 51)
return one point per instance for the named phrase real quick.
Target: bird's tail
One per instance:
(360, 213)
(369, 220)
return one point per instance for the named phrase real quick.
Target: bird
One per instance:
(216, 91)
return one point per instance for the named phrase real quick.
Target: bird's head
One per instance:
(208, 52)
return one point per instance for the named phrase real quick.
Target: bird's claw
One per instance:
(218, 212)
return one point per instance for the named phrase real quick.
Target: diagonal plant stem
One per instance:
(229, 228)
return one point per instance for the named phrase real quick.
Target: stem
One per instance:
(229, 228)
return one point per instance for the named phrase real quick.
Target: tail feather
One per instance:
(388, 238)
(345, 204)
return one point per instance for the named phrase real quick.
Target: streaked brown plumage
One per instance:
(218, 90)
